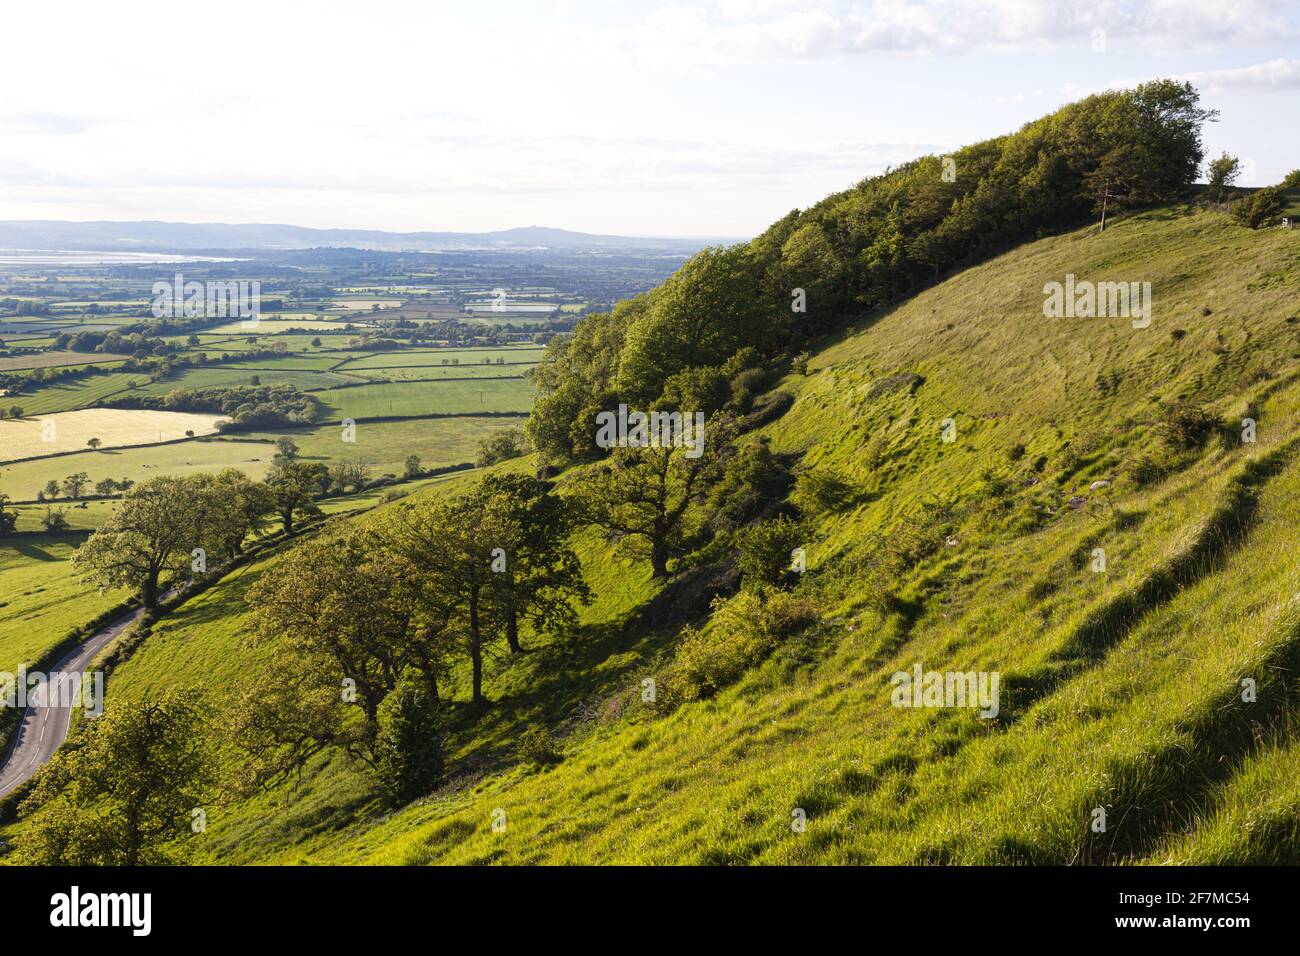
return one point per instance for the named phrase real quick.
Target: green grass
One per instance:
(40, 596)
(81, 393)
(427, 398)
(435, 357)
(1120, 689)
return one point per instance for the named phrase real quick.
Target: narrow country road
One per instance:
(44, 728)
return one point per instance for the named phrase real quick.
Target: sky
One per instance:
(645, 118)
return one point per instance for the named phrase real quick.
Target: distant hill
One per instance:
(154, 236)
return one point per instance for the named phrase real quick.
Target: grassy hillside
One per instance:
(1121, 687)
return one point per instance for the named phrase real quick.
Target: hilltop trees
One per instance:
(817, 269)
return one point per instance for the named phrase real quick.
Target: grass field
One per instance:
(427, 398)
(435, 357)
(216, 377)
(40, 596)
(66, 396)
(14, 363)
(114, 427)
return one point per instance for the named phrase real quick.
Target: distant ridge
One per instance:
(157, 236)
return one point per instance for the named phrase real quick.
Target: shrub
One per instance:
(743, 632)
(766, 550)
(408, 747)
(822, 490)
(800, 364)
(501, 446)
(1261, 208)
(1184, 425)
(537, 747)
(1148, 469)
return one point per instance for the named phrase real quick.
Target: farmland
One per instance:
(115, 428)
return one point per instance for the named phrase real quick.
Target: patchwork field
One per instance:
(384, 446)
(114, 427)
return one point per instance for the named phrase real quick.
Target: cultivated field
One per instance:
(114, 427)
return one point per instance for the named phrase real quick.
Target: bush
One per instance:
(1184, 425)
(766, 551)
(743, 632)
(408, 748)
(1261, 208)
(822, 490)
(800, 365)
(536, 746)
(501, 446)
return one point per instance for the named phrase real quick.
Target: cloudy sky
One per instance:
(647, 118)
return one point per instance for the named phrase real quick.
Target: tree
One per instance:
(1221, 174)
(125, 795)
(501, 445)
(74, 485)
(286, 448)
(8, 517)
(54, 520)
(644, 494)
(340, 616)
(451, 545)
(349, 473)
(412, 468)
(94, 444)
(105, 487)
(156, 529)
(293, 486)
(537, 575)
(1291, 180)
(15, 411)
(51, 489)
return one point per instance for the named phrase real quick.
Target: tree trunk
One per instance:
(475, 649)
(512, 631)
(149, 593)
(659, 559)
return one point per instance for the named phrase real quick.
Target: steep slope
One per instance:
(1121, 689)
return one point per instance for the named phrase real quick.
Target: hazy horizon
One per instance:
(666, 120)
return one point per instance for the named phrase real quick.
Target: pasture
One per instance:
(427, 398)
